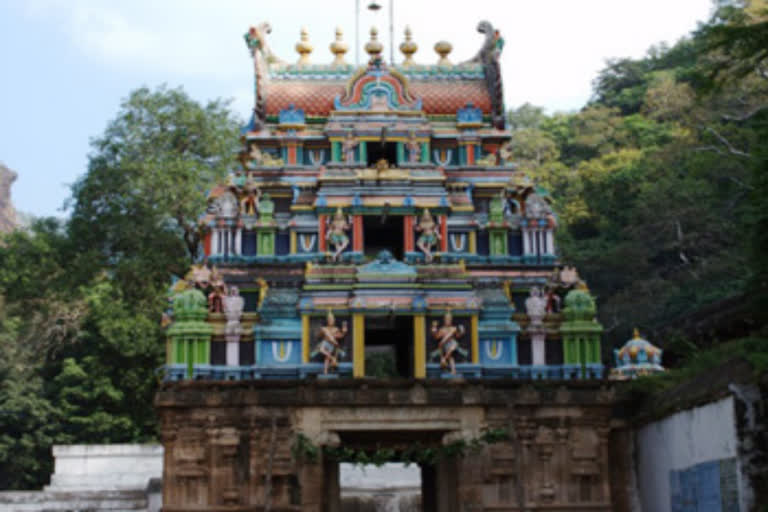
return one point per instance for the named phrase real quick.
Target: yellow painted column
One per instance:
(358, 343)
(293, 242)
(475, 340)
(419, 347)
(473, 242)
(305, 338)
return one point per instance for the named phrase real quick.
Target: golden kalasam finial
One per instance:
(339, 48)
(443, 48)
(636, 334)
(304, 48)
(374, 47)
(408, 47)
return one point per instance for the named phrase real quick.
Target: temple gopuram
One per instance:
(379, 275)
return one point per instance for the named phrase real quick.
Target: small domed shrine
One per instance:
(638, 357)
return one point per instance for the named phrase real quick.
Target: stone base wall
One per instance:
(105, 467)
(228, 445)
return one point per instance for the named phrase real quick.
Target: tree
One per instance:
(137, 208)
(80, 338)
(26, 429)
(526, 116)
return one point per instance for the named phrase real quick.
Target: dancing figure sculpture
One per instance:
(337, 235)
(330, 337)
(447, 337)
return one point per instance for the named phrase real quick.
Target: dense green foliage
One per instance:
(659, 182)
(80, 334)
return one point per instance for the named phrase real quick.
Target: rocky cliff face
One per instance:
(7, 212)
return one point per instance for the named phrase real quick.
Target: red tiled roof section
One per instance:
(446, 97)
(316, 97)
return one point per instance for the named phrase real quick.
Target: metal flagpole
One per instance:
(391, 33)
(357, 33)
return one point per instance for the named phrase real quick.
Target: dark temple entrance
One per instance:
(389, 346)
(396, 443)
(379, 150)
(383, 232)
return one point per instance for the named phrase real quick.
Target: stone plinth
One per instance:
(105, 467)
(231, 444)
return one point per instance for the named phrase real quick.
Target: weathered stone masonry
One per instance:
(223, 439)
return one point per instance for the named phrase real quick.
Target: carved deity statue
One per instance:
(226, 205)
(553, 301)
(536, 306)
(337, 236)
(215, 299)
(569, 276)
(263, 158)
(447, 337)
(233, 305)
(536, 206)
(330, 338)
(430, 235)
(505, 153)
(348, 146)
(414, 149)
(255, 154)
(249, 205)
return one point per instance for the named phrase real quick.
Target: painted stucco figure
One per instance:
(215, 304)
(249, 204)
(337, 234)
(414, 149)
(233, 305)
(430, 235)
(536, 306)
(330, 337)
(447, 337)
(348, 148)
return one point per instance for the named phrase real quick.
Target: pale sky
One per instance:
(66, 64)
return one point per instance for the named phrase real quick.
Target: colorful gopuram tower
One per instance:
(377, 226)
(382, 283)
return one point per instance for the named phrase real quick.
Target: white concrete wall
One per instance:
(679, 441)
(105, 467)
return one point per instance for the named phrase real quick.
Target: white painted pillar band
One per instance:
(538, 348)
(550, 242)
(526, 242)
(233, 353)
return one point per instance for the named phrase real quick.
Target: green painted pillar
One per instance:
(363, 152)
(580, 330)
(498, 242)
(266, 228)
(336, 151)
(425, 152)
(265, 239)
(190, 335)
(400, 153)
(497, 229)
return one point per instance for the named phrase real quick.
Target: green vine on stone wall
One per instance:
(417, 453)
(304, 450)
